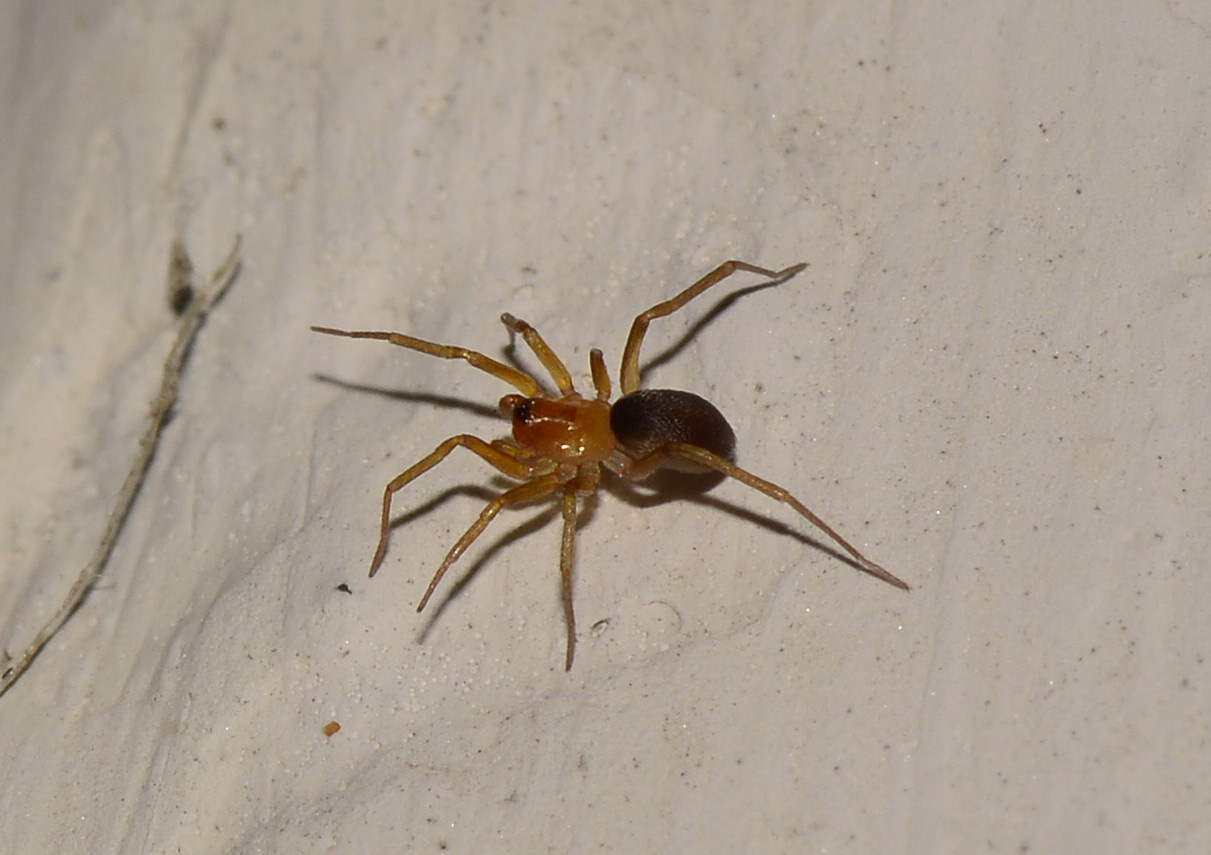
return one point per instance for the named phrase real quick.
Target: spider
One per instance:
(561, 442)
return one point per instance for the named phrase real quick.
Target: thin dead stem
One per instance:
(191, 324)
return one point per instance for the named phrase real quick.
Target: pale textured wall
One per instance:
(993, 377)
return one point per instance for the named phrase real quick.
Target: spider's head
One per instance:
(567, 430)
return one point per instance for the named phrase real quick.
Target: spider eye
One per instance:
(515, 407)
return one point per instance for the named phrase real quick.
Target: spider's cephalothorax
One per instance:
(560, 443)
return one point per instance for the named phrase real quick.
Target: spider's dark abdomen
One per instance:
(645, 420)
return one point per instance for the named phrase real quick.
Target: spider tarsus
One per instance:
(886, 575)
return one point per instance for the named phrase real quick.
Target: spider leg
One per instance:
(601, 377)
(499, 455)
(520, 494)
(551, 362)
(565, 570)
(645, 466)
(519, 380)
(629, 377)
(584, 484)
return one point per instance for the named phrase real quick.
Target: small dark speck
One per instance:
(180, 279)
(342, 587)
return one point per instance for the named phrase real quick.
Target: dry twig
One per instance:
(191, 324)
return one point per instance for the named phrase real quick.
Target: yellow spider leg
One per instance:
(518, 495)
(498, 455)
(601, 377)
(551, 362)
(629, 377)
(519, 380)
(648, 464)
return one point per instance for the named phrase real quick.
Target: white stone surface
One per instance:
(993, 377)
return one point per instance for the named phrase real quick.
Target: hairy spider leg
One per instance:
(551, 362)
(646, 465)
(629, 376)
(584, 484)
(565, 570)
(519, 380)
(518, 495)
(499, 455)
(554, 365)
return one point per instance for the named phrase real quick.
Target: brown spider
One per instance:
(561, 442)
